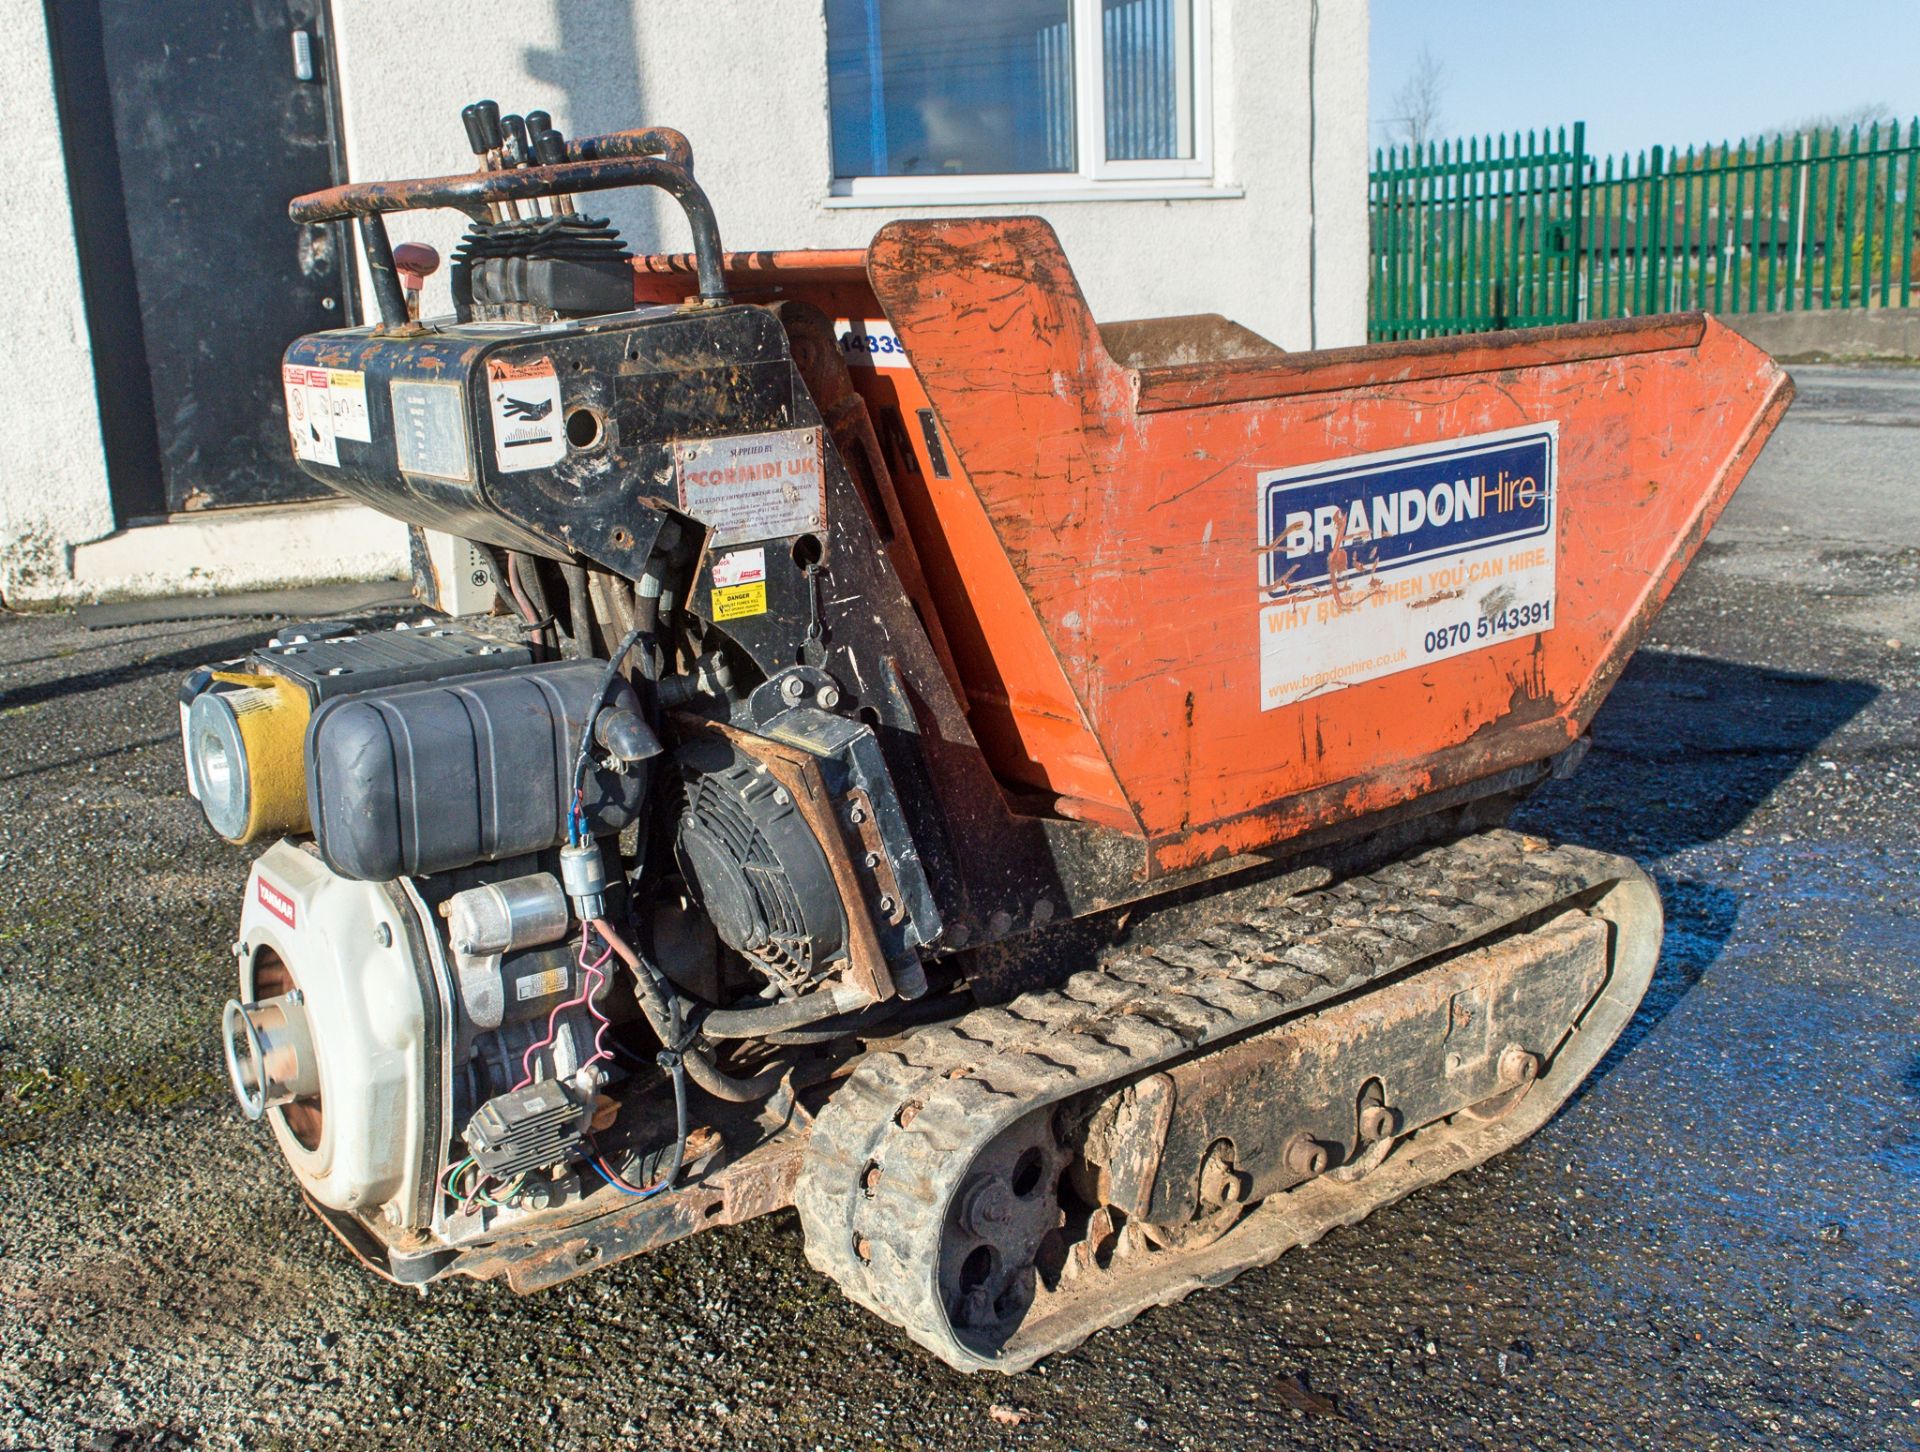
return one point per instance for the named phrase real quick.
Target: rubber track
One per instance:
(959, 1086)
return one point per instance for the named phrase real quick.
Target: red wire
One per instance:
(594, 979)
(606, 1170)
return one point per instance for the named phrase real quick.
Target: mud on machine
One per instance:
(1032, 805)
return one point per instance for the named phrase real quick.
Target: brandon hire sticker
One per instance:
(1386, 562)
(524, 399)
(740, 584)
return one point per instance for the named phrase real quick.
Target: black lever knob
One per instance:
(483, 131)
(476, 129)
(550, 147)
(516, 143)
(538, 121)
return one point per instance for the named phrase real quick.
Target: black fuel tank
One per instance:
(427, 778)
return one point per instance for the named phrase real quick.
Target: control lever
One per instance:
(482, 119)
(516, 153)
(550, 149)
(415, 262)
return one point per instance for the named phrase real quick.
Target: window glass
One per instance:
(1148, 78)
(937, 88)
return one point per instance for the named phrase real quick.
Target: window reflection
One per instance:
(1148, 68)
(935, 88)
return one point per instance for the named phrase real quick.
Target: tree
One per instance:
(1418, 102)
(1841, 121)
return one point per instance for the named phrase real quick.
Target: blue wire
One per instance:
(623, 1189)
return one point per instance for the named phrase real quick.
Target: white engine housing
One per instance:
(349, 950)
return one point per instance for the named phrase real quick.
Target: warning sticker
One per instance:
(347, 395)
(542, 984)
(869, 343)
(740, 584)
(430, 430)
(310, 414)
(1383, 563)
(753, 486)
(524, 399)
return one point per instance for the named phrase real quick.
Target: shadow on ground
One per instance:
(1684, 751)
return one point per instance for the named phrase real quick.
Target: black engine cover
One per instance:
(553, 439)
(476, 768)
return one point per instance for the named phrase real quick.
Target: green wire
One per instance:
(481, 1196)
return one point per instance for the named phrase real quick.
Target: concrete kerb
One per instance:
(1851, 335)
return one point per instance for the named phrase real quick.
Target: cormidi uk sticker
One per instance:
(524, 399)
(1383, 563)
(753, 486)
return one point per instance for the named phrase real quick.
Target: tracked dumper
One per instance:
(1025, 793)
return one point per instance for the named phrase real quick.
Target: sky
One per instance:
(1641, 72)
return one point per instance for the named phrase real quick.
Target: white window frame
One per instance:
(1097, 178)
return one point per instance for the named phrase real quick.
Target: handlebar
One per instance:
(656, 156)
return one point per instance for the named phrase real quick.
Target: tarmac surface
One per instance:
(1716, 1244)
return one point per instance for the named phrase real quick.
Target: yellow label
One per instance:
(542, 984)
(733, 602)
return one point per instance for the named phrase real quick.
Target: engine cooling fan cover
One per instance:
(754, 864)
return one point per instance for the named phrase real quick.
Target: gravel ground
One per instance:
(1715, 1244)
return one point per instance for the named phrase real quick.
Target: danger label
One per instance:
(740, 584)
(753, 486)
(1387, 562)
(524, 400)
(310, 413)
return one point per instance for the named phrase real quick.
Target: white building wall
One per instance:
(1283, 250)
(53, 471)
(746, 80)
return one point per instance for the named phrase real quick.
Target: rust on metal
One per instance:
(756, 1184)
(1115, 520)
(1384, 365)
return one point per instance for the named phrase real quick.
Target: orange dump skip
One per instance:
(1215, 604)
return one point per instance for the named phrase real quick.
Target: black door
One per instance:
(188, 127)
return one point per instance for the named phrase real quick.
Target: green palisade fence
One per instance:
(1518, 231)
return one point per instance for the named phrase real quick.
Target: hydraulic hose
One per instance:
(790, 1013)
(579, 611)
